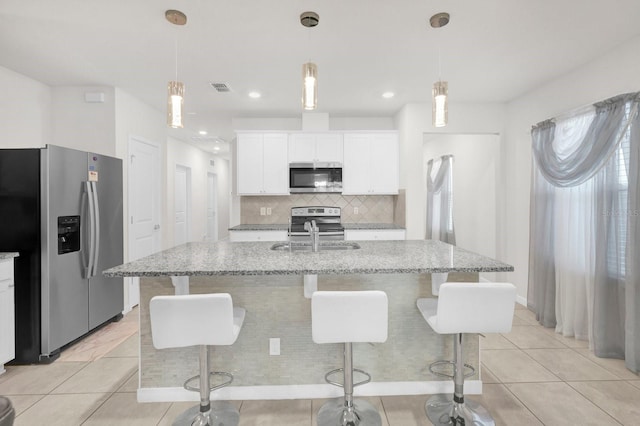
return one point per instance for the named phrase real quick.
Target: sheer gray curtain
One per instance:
(440, 208)
(440, 200)
(584, 257)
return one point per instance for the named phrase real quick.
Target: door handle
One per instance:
(92, 230)
(156, 227)
(96, 212)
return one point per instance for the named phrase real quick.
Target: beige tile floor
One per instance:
(532, 376)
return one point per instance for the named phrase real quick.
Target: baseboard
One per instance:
(319, 391)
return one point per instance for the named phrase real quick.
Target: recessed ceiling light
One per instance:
(203, 132)
(388, 95)
(254, 95)
(216, 148)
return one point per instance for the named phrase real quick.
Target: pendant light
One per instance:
(175, 88)
(309, 86)
(440, 92)
(309, 70)
(439, 105)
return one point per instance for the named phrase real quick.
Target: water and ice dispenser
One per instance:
(68, 234)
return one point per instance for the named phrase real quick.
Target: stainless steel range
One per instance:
(321, 219)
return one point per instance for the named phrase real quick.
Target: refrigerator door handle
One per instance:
(92, 229)
(86, 244)
(96, 216)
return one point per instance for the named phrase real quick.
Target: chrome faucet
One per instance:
(313, 230)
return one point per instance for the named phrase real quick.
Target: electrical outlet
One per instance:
(355, 210)
(268, 211)
(263, 211)
(274, 346)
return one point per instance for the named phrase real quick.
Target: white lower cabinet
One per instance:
(374, 234)
(7, 313)
(270, 235)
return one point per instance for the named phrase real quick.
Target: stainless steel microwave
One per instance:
(315, 177)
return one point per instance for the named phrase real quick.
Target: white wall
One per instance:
(184, 154)
(476, 162)
(222, 170)
(413, 121)
(615, 73)
(25, 121)
(82, 125)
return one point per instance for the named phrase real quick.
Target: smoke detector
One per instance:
(439, 20)
(309, 19)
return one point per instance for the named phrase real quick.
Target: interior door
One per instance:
(181, 199)
(144, 206)
(212, 209)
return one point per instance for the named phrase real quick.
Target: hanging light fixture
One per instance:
(175, 88)
(309, 86)
(439, 105)
(175, 104)
(309, 70)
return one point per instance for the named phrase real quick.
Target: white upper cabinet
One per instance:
(262, 164)
(315, 148)
(371, 164)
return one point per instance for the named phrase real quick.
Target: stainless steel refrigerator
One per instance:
(61, 209)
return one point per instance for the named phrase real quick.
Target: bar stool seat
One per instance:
(7, 413)
(349, 317)
(202, 320)
(465, 308)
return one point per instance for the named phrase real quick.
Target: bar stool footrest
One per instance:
(437, 364)
(221, 413)
(441, 410)
(362, 413)
(341, 370)
(189, 387)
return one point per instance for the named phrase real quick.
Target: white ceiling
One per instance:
(492, 51)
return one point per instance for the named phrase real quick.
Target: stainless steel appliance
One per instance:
(327, 220)
(61, 209)
(315, 177)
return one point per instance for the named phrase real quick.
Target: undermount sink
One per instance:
(324, 245)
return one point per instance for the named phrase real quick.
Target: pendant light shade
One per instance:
(175, 104)
(309, 86)
(440, 108)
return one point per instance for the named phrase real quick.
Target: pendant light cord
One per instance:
(176, 59)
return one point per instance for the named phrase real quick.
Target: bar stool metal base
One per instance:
(335, 413)
(222, 413)
(441, 410)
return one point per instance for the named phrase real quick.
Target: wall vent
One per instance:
(221, 87)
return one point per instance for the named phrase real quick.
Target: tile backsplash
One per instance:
(371, 208)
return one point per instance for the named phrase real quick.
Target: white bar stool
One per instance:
(349, 317)
(199, 320)
(465, 308)
(7, 412)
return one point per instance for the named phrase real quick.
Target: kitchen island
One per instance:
(268, 284)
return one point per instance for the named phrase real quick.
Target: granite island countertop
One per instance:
(257, 258)
(285, 227)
